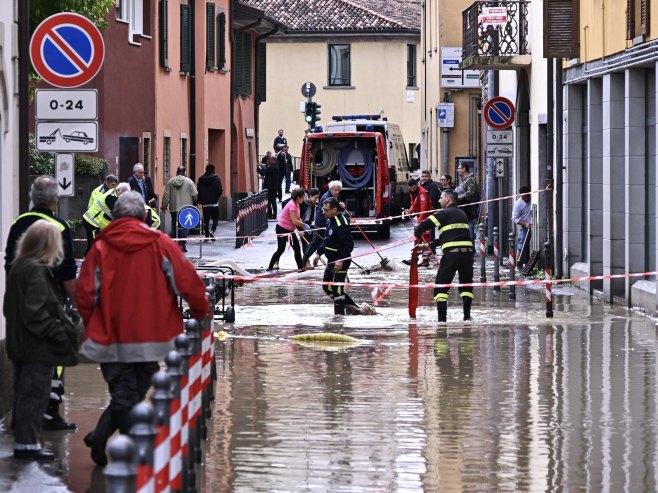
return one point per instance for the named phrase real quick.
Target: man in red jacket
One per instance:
(127, 293)
(421, 204)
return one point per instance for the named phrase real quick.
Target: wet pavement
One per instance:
(512, 401)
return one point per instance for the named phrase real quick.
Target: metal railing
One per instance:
(250, 217)
(495, 29)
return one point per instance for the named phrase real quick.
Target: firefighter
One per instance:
(336, 246)
(99, 214)
(457, 246)
(421, 205)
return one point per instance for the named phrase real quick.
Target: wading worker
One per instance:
(457, 247)
(333, 190)
(336, 245)
(127, 295)
(289, 220)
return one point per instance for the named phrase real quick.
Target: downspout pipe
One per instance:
(559, 170)
(23, 104)
(192, 166)
(231, 8)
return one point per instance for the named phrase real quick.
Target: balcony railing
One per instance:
(495, 29)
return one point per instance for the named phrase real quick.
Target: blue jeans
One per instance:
(523, 233)
(177, 231)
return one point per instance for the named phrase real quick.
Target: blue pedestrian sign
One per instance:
(188, 217)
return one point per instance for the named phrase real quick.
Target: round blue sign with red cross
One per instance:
(67, 50)
(499, 113)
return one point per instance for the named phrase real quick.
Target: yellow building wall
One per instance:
(602, 28)
(378, 78)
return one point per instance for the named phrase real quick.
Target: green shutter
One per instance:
(246, 74)
(210, 36)
(163, 20)
(221, 41)
(261, 65)
(185, 39)
(237, 62)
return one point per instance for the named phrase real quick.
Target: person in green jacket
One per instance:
(40, 334)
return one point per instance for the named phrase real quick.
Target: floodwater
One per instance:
(511, 402)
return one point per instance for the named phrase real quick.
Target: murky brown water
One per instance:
(513, 402)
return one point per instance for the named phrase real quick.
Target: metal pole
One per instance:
(23, 104)
(446, 140)
(559, 169)
(512, 266)
(496, 256)
(547, 269)
(483, 254)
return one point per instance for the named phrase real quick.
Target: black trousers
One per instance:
(210, 213)
(451, 263)
(271, 203)
(31, 394)
(91, 232)
(333, 275)
(281, 242)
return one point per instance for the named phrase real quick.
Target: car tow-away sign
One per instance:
(67, 136)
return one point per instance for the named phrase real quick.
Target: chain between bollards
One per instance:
(512, 266)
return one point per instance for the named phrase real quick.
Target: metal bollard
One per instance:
(238, 224)
(173, 361)
(210, 388)
(483, 254)
(161, 400)
(496, 253)
(120, 473)
(205, 368)
(143, 434)
(188, 477)
(512, 266)
(549, 292)
(193, 331)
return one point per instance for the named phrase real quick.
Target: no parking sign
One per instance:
(67, 50)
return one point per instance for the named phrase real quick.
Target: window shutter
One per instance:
(561, 31)
(210, 36)
(630, 19)
(185, 39)
(237, 62)
(644, 17)
(261, 80)
(221, 41)
(246, 72)
(163, 20)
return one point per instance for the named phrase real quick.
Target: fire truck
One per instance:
(369, 158)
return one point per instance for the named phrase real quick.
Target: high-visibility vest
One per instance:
(96, 194)
(46, 217)
(152, 217)
(99, 215)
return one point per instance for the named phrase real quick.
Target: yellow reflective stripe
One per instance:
(337, 220)
(450, 244)
(466, 294)
(90, 219)
(332, 249)
(42, 216)
(436, 222)
(453, 226)
(60, 370)
(441, 297)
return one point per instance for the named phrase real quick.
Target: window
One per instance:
(135, 13)
(411, 65)
(221, 41)
(339, 65)
(185, 39)
(183, 151)
(242, 64)
(211, 64)
(166, 159)
(146, 155)
(637, 18)
(163, 30)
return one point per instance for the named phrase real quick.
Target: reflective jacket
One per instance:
(96, 194)
(453, 228)
(127, 293)
(337, 243)
(152, 218)
(99, 214)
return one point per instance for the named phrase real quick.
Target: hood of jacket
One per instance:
(178, 180)
(129, 234)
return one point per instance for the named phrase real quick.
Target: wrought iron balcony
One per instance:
(495, 35)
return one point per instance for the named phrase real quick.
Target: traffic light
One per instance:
(308, 112)
(315, 113)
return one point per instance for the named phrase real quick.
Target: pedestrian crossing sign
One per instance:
(188, 217)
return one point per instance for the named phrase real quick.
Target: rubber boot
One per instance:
(97, 439)
(467, 307)
(339, 306)
(442, 308)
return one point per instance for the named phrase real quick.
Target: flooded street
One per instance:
(510, 402)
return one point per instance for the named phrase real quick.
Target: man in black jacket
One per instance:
(210, 190)
(284, 160)
(141, 183)
(337, 245)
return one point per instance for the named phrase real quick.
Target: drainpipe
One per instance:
(192, 165)
(559, 170)
(550, 83)
(231, 8)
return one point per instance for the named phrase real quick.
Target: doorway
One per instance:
(128, 156)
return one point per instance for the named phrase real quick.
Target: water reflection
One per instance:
(502, 408)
